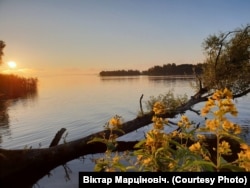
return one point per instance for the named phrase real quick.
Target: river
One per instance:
(83, 104)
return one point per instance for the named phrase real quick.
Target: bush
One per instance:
(13, 86)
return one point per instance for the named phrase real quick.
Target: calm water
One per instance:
(82, 104)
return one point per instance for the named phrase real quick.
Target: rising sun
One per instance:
(12, 64)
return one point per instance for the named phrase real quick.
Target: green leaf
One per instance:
(232, 167)
(205, 165)
(110, 146)
(140, 144)
(120, 166)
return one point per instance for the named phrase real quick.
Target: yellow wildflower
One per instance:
(244, 157)
(147, 161)
(158, 123)
(159, 108)
(175, 133)
(227, 125)
(184, 122)
(115, 121)
(244, 146)
(201, 137)
(205, 110)
(206, 158)
(149, 140)
(116, 159)
(180, 123)
(224, 148)
(237, 129)
(234, 112)
(171, 165)
(139, 157)
(195, 147)
(217, 95)
(212, 125)
(227, 93)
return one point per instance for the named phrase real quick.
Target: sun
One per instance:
(12, 64)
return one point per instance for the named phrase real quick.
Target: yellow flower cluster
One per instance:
(116, 159)
(224, 103)
(244, 157)
(201, 137)
(221, 94)
(155, 139)
(159, 122)
(159, 108)
(184, 122)
(115, 122)
(147, 161)
(195, 147)
(230, 126)
(224, 148)
(209, 104)
(212, 124)
(222, 99)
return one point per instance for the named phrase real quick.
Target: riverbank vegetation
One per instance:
(14, 87)
(164, 70)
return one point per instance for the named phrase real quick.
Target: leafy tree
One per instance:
(2, 45)
(228, 61)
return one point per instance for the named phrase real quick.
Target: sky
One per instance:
(48, 37)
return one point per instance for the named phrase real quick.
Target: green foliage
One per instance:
(227, 63)
(168, 99)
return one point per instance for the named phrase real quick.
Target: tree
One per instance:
(228, 61)
(2, 45)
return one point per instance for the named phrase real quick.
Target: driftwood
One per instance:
(24, 167)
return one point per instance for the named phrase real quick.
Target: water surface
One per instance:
(83, 104)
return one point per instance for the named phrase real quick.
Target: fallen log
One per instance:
(24, 167)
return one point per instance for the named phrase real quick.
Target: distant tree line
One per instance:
(120, 73)
(164, 70)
